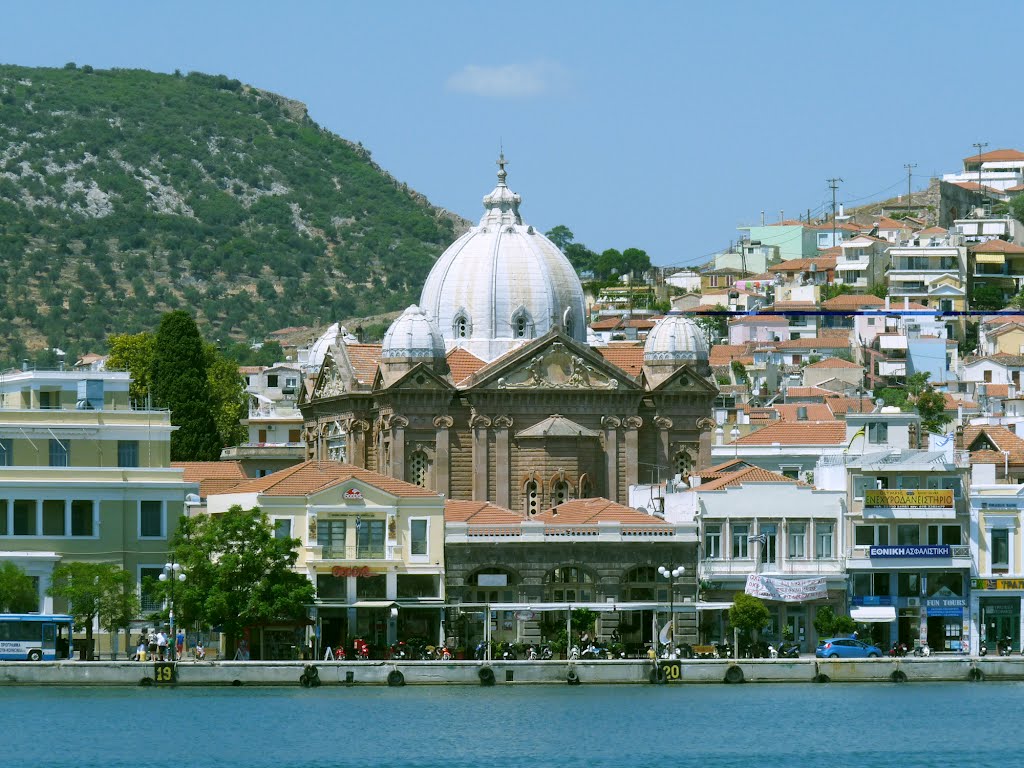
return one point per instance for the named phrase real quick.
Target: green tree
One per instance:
(239, 573)
(987, 297)
(178, 377)
(609, 263)
(1017, 207)
(133, 352)
(739, 371)
(931, 407)
(715, 326)
(635, 261)
(561, 236)
(748, 614)
(17, 591)
(119, 606)
(86, 587)
(831, 290)
(917, 383)
(227, 393)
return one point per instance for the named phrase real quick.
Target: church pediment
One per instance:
(419, 378)
(329, 382)
(556, 426)
(558, 364)
(686, 380)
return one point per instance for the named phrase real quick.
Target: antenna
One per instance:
(833, 184)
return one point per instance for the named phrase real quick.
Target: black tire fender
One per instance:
(486, 675)
(821, 677)
(734, 674)
(898, 676)
(975, 675)
(572, 678)
(396, 679)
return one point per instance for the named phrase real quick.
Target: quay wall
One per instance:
(221, 673)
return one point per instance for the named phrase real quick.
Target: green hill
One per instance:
(124, 194)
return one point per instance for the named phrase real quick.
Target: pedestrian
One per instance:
(179, 643)
(200, 651)
(161, 645)
(151, 644)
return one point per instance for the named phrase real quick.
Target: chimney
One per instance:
(801, 413)
(719, 436)
(762, 218)
(906, 302)
(887, 303)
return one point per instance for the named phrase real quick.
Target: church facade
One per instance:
(489, 390)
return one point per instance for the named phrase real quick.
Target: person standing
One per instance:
(161, 645)
(179, 643)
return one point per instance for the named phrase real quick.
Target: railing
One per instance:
(793, 566)
(342, 552)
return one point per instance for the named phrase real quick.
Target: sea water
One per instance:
(914, 725)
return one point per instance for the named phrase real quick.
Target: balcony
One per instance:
(859, 559)
(342, 552)
(795, 567)
(892, 367)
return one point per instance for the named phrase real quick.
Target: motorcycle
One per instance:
(922, 650)
(788, 651)
(400, 650)
(444, 654)
(507, 652)
(531, 653)
(723, 651)
(594, 652)
(574, 652)
(982, 648)
(898, 650)
(480, 652)
(546, 653)
(360, 649)
(1005, 646)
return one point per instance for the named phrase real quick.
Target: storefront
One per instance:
(996, 611)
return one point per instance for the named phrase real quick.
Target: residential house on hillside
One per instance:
(719, 278)
(85, 475)
(981, 228)
(789, 448)
(748, 256)
(833, 373)
(1001, 333)
(893, 230)
(996, 264)
(993, 369)
(829, 236)
(932, 271)
(733, 299)
(274, 422)
(761, 328)
(847, 311)
(996, 445)
(862, 263)
(794, 273)
(794, 239)
(1000, 169)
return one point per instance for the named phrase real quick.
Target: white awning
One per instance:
(372, 604)
(873, 613)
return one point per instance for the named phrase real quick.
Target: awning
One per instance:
(990, 258)
(373, 604)
(873, 613)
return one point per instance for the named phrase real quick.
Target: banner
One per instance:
(916, 550)
(909, 499)
(785, 590)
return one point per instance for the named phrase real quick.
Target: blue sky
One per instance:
(658, 125)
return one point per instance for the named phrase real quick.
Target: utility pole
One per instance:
(833, 184)
(979, 145)
(910, 170)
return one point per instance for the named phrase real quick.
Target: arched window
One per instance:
(531, 495)
(586, 487)
(682, 463)
(419, 469)
(460, 325)
(641, 583)
(560, 492)
(522, 325)
(569, 584)
(567, 322)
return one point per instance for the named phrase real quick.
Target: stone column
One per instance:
(357, 442)
(502, 461)
(707, 428)
(664, 425)
(611, 426)
(398, 425)
(632, 455)
(442, 460)
(479, 425)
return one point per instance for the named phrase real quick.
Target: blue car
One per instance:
(846, 648)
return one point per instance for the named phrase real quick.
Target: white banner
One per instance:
(785, 590)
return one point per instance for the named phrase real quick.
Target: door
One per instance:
(49, 641)
(797, 623)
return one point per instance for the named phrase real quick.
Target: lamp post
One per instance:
(671, 574)
(734, 433)
(172, 572)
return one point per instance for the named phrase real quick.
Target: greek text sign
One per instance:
(359, 572)
(930, 550)
(997, 584)
(785, 590)
(908, 498)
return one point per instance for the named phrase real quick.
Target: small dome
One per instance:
(413, 336)
(675, 338)
(322, 346)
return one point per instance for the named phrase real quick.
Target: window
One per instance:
(330, 534)
(283, 528)
(53, 517)
(272, 380)
(880, 584)
(823, 541)
(987, 376)
(370, 539)
(871, 535)
(151, 519)
(294, 435)
(127, 453)
(4, 525)
(945, 534)
(713, 541)
(418, 537)
(460, 325)
(740, 532)
(559, 492)
(908, 585)
(910, 483)
(522, 327)
(1001, 548)
(683, 464)
(878, 432)
(291, 382)
(82, 517)
(908, 535)
(149, 591)
(415, 585)
(25, 517)
(6, 452)
(418, 468)
(769, 550)
(862, 483)
(531, 492)
(372, 587)
(58, 453)
(797, 540)
(569, 585)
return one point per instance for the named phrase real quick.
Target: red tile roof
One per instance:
(479, 513)
(744, 476)
(996, 155)
(462, 364)
(798, 433)
(629, 359)
(809, 392)
(1001, 437)
(839, 227)
(723, 354)
(932, 231)
(886, 223)
(312, 476)
(816, 342)
(996, 246)
(997, 390)
(840, 406)
(590, 511)
(815, 411)
(849, 301)
(212, 476)
(821, 263)
(834, 363)
(364, 359)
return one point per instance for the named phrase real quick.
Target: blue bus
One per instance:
(35, 636)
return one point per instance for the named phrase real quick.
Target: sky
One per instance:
(655, 125)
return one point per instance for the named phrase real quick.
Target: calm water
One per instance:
(712, 726)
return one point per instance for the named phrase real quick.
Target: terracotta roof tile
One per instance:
(798, 433)
(886, 223)
(842, 226)
(852, 301)
(815, 412)
(462, 364)
(932, 231)
(479, 513)
(312, 476)
(723, 354)
(212, 476)
(952, 404)
(364, 359)
(834, 363)
(809, 392)
(629, 359)
(592, 511)
(816, 342)
(733, 465)
(822, 263)
(997, 390)
(996, 155)
(996, 246)
(840, 406)
(748, 475)
(981, 438)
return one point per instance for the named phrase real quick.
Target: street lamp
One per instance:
(671, 574)
(172, 572)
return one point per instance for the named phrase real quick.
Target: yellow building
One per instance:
(84, 476)
(372, 545)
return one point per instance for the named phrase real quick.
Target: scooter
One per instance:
(1005, 646)
(922, 650)
(546, 654)
(982, 648)
(480, 651)
(574, 652)
(594, 652)
(789, 651)
(531, 653)
(507, 652)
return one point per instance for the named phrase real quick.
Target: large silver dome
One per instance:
(675, 338)
(502, 283)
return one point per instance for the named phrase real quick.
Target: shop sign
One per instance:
(945, 602)
(930, 550)
(359, 572)
(997, 583)
(895, 498)
(785, 590)
(525, 615)
(352, 494)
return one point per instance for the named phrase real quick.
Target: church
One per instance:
(488, 390)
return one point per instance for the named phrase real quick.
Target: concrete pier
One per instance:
(223, 673)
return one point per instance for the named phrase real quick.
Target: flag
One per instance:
(859, 433)
(666, 634)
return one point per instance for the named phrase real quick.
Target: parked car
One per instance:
(846, 648)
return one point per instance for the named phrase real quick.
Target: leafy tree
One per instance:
(119, 605)
(17, 590)
(748, 614)
(227, 393)
(917, 383)
(892, 396)
(1017, 207)
(987, 297)
(87, 588)
(133, 352)
(609, 263)
(824, 621)
(931, 407)
(715, 326)
(582, 258)
(635, 261)
(844, 625)
(880, 290)
(561, 236)
(739, 371)
(239, 574)
(831, 290)
(178, 376)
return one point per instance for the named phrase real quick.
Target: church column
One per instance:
(707, 427)
(611, 426)
(479, 424)
(398, 425)
(356, 453)
(442, 462)
(502, 461)
(632, 457)
(665, 469)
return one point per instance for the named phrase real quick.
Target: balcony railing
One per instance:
(794, 566)
(342, 552)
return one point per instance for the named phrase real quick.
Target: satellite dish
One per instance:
(192, 498)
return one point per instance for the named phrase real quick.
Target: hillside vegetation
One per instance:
(125, 194)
